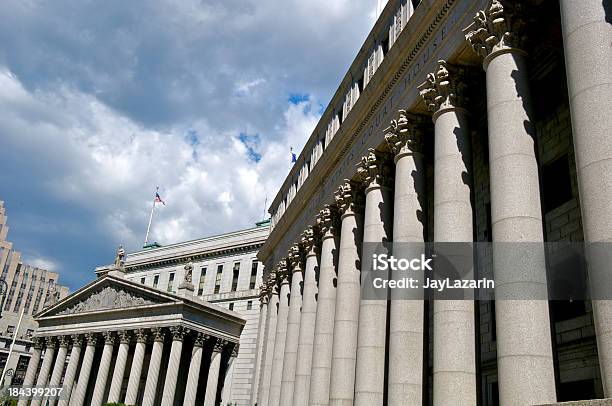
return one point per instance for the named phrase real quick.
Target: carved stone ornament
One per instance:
(91, 338)
(39, 343)
(178, 332)
(107, 298)
(50, 342)
(295, 258)
(271, 283)
(188, 271)
(235, 349)
(220, 345)
(199, 340)
(500, 26)
(141, 335)
(120, 258)
(347, 197)
(109, 338)
(64, 341)
(445, 88)
(124, 337)
(77, 340)
(52, 296)
(405, 133)
(327, 220)
(281, 272)
(158, 334)
(372, 170)
(309, 240)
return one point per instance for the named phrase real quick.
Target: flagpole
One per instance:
(12, 346)
(149, 226)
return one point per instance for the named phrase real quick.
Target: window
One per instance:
(218, 278)
(253, 280)
(170, 281)
(231, 306)
(202, 282)
(249, 305)
(235, 274)
(155, 281)
(143, 280)
(10, 329)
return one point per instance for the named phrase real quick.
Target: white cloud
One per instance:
(106, 162)
(43, 263)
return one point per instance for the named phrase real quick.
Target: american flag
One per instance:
(158, 199)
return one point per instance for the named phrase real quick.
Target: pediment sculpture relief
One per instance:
(105, 299)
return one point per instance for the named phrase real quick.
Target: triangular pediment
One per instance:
(107, 293)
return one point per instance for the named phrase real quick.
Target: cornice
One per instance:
(425, 21)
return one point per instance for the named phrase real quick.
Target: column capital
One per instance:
(124, 337)
(109, 337)
(444, 89)
(373, 170)
(39, 343)
(282, 272)
(64, 341)
(310, 240)
(50, 341)
(178, 332)
(91, 338)
(263, 294)
(141, 335)
(405, 134)
(235, 349)
(327, 221)
(77, 340)
(348, 198)
(499, 28)
(295, 257)
(199, 340)
(220, 345)
(271, 284)
(158, 334)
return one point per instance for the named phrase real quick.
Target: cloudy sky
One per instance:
(102, 101)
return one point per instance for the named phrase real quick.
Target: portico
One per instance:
(126, 342)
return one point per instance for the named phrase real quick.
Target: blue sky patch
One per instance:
(251, 142)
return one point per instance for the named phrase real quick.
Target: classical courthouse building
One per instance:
(458, 120)
(29, 290)
(173, 325)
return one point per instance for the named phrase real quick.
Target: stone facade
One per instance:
(224, 270)
(458, 121)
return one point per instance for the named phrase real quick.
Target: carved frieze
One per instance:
(105, 299)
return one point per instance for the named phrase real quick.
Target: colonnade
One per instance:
(345, 352)
(80, 388)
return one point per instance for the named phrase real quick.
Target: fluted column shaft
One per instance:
(371, 341)
(293, 328)
(58, 368)
(261, 345)
(279, 342)
(268, 355)
(102, 377)
(326, 308)
(30, 375)
(344, 352)
(524, 348)
(45, 368)
(178, 333)
(194, 371)
(78, 396)
(588, 57)
(307, 329)
(213, 375)
(154, 367)
(71, 369)
(405, 382)
(136, 369)
(118, 372)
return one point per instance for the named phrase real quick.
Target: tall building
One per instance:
(458, 121)
(29, 289)
(226, 273)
